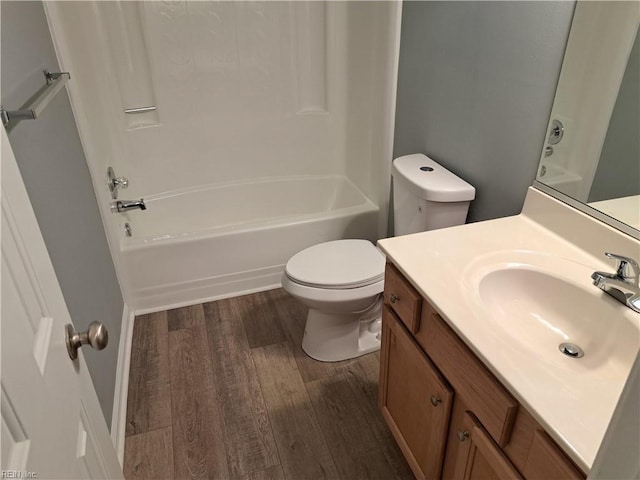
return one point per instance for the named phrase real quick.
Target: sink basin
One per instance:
(541, 301)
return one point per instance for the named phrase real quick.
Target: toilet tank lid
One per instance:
(431, 181)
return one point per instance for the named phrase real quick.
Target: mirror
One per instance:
(591, 156)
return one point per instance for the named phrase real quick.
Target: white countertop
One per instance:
(625, 209)
(574, 409)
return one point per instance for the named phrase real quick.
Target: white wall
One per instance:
(242, 89)
(617, 456)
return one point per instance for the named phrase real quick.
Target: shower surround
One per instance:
(266, 114)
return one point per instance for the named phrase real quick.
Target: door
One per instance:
(480, 458)
(52, 425)
(414, 398)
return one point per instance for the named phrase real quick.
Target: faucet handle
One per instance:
(121, 182)
(114, 183)
(627, 268)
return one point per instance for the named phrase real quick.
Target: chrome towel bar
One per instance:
(55, 82)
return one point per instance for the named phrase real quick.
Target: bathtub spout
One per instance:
(126, 205)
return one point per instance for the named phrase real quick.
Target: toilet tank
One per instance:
(427, 196)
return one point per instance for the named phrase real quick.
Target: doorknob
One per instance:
(96, 336)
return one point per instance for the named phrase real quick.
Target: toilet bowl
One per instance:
(342, 281)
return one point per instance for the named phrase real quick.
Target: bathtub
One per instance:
(223, 240)
(561, 179)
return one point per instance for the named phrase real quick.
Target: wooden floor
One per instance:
(223, 390)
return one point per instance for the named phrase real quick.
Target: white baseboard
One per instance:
(179, 294)
(213, 298)
(119, 414)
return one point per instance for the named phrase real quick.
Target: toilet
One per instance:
(341, 281)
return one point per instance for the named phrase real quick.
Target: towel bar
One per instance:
(55, 82)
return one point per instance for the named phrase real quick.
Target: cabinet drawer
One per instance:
(478, 388)
(547, 461)
(402, 298)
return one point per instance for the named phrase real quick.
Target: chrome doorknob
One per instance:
(96, 337)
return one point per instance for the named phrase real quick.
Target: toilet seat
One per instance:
(332, 295)
(339, 264)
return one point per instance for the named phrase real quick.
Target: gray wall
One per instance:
(475, 90)
(56, 175)
(618, 173)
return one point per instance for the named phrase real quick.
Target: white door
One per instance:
(52, 425)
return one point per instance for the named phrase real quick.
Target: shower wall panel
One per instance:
(243, 89)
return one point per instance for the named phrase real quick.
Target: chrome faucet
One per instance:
(623, 284)
(126, 205)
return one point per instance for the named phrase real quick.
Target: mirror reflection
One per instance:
(592, 149)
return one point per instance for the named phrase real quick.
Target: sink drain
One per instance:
(571, 350)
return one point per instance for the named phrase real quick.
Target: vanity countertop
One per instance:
(573, 399)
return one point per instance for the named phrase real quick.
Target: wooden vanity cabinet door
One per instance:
(454, 444)
(547, 462)
(478, 456)
(414, 399)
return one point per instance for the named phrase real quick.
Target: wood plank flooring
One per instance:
(223, 390)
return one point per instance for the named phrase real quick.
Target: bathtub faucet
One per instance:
(126, 205)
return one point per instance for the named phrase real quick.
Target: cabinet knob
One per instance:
(463, 435)
(435, 400)
(394, 298)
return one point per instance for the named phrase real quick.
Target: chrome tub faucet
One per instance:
(623, 285)
(126, 205)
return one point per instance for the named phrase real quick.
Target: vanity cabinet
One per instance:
(450, 416)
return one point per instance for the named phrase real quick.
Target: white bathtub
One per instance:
(229, 239)
(561, 179)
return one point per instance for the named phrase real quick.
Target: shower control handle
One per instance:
(114, 183)
(121, 182)
(556, 132)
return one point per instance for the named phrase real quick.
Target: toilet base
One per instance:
(335, 337)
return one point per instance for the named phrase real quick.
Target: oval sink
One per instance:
(539, 310)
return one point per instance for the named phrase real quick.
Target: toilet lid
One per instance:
(337, 264)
